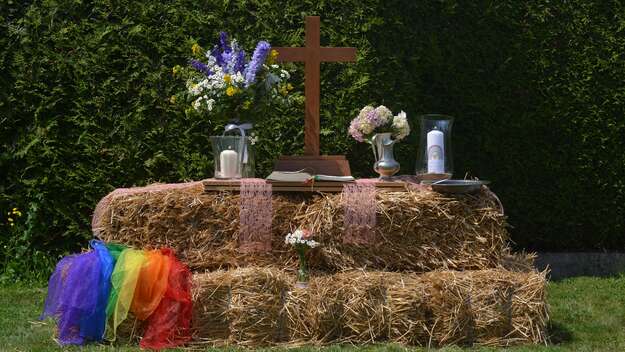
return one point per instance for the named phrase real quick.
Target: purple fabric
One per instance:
(74, 297)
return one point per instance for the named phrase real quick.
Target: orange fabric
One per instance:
(151, 285)
(170, 325)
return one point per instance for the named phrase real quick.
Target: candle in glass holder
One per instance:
(229, 162)
(436, 152)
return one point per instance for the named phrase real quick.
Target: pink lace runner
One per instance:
(255, 215)
(360, 212)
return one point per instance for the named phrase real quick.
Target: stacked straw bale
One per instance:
(261, 307)
(440, 270)
(418, 230)
(211, 297)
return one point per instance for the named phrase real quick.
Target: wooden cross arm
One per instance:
(337, 54)
(290, 54)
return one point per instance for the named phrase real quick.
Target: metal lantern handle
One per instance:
(241, 128)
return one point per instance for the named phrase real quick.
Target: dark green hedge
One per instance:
(537, 89)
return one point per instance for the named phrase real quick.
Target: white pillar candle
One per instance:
(436, 152)
(229, 162)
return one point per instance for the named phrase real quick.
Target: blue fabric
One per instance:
(78, 293)
(92, 326)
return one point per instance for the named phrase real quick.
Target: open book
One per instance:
(303, 177)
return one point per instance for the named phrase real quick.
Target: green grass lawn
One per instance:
(587, 314)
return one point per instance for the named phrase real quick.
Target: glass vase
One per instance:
(434, 158)
(248, 164)
(302, 272)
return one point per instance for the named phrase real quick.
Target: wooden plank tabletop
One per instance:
(396, 184)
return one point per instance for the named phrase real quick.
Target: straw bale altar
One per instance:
(437, 271)
(417, 229)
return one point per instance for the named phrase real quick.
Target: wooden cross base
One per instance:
(334, 165)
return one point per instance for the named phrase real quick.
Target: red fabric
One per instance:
(170, 324)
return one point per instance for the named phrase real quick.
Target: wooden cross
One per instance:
(312, 55)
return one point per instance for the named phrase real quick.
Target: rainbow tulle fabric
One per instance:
(92, 293)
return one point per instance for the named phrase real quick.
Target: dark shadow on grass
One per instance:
(558, 333)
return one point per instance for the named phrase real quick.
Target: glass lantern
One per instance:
(229, 153)
(434, 161)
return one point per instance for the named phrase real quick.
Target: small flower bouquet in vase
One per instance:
(382, 130)
(302, 241)
(232, 89)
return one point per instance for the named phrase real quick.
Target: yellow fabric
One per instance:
(151, 285)
(124, 281)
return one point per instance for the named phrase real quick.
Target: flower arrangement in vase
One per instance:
(229, 86)
(382, 130)
(302, 241)
(233, 90)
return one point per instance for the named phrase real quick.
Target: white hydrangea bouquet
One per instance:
(378, 127)
(302, 241)
(371, 121)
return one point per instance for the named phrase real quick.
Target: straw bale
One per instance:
(408, 310)
(450, 305)
(492, 307)
(211, 300)
(488, 307)
(325, 313)
(346, 307)
(365, 310)
(418, 230)
(256, 306)
(297, 314)
(529, 312)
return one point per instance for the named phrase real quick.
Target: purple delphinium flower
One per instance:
(239, 64)
(201, 67)
(218, 57)
(223, 53)
(223, 41)
(258, 58)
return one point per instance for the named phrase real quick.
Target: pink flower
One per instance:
(307, 234)
(355, 132)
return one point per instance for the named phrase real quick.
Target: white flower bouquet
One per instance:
(302, 241)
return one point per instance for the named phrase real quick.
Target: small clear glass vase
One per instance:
(302, 272)
(434, 159)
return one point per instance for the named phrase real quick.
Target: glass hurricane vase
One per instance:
(434, 159)
(233, 157)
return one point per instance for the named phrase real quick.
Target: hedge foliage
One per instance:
(536, 87)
